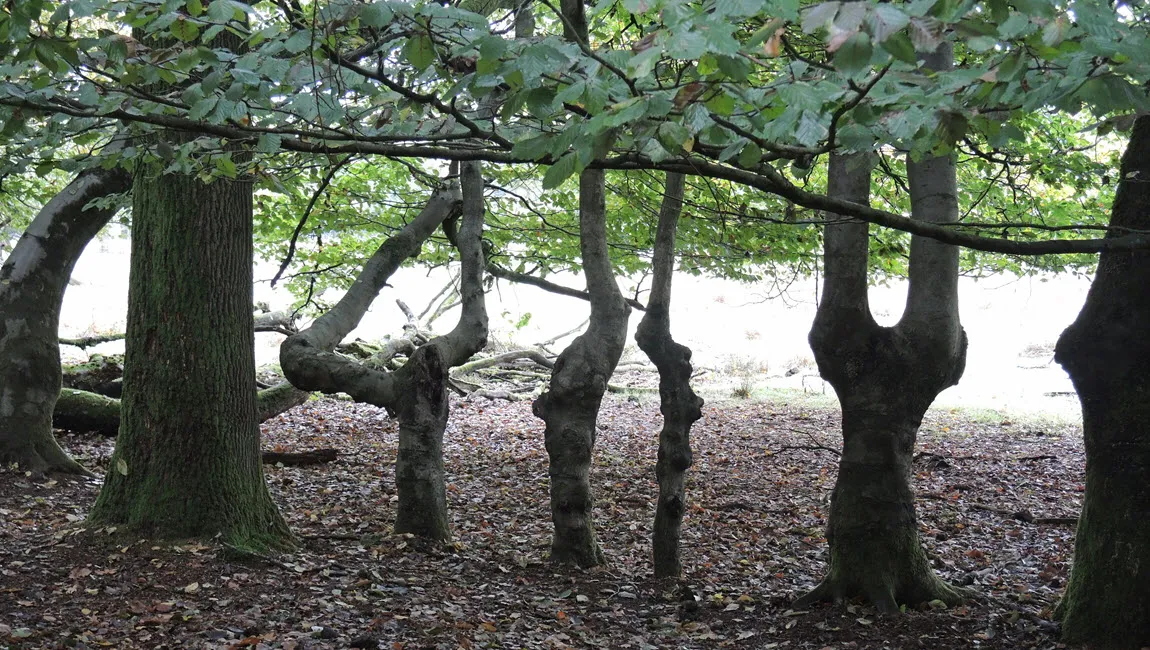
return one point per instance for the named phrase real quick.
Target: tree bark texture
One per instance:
(570, 406)
(1106, 352)
(79, 410)
(32, 284)
(187, 459)
(680, 406)
(417, 392)
(419, 475)
(885, 378)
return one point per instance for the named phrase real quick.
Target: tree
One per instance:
(885, 379)
(417, 392)
(187, 460)
(1105, 352)
(32, 283)
(680, 406)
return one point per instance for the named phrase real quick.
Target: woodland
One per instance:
(430, 490)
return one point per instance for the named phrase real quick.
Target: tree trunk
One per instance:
(571, 404)
(1106, 352)
(885, 378)
(78, 410)
(422, 414)
(187, 460)
(32, 284)
(680, 406)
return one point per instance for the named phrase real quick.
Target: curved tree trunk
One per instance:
(571, 404)
(1106, 352)
(78, 410)
(32, 284)
(417, 391)
(422, 415)
(885, 378)
(680, 406)
(187, 460)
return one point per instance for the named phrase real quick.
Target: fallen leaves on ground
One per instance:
(753, 541)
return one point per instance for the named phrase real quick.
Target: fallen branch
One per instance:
(295, 459)
(498, 359)
(1026, 516)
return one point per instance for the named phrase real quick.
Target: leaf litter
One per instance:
(753, 540)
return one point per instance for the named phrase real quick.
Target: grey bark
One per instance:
(32, 284)
(680, 406)
(570, 406)
(885, 378)
(1106, 352)
(417, 391)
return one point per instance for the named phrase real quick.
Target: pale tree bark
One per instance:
(187, 459)
(32, 284)
(1106, 352)
(885, 379)
(417, 391)
(680, 406)
(570, 406)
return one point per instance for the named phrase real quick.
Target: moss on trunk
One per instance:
(187, 460)
(1106, 353)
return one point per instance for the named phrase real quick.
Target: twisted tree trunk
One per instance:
(32, 284)
(680, 406)
(417, 391)
(1106, 352)
(571, 404)
(885, 378)
(187, 460)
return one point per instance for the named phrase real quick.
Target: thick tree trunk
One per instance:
(885, 378)
(680, 406)
(1106, 352)
(78, 410)
(571, 404)
(32, 284)
(187, 459)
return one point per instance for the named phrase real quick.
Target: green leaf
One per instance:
(419, 52)
(269, 143)
(855, 53)
(298, 42)
(225, 166)
(195, 7)
(376, 14)
(900, 47)
(533, 148)
(819, 16)
(185, 30)
(122, 466)
(560, 171)
(750, 155)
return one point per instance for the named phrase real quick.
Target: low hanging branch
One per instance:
(525, 278)
(506, 357)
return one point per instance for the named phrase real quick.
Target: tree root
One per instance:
(882, 595)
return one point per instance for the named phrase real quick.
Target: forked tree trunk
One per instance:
(680, 406)
(885, 378)
(1106, 352)
(570, 406)
(187, 460)
(417, 391)
(419, 475)
(32, 284)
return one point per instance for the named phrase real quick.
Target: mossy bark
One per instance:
(187, 459)
(78, 410)
(571, 403)
(32, 284)
(1106, 352)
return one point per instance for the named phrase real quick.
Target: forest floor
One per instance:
(753, 541)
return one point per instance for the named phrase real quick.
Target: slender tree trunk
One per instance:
(1106, 352)
(885, 378)
(32, 284)
(187, 460)
(571, 404)
(419, 476)
(680, 406)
